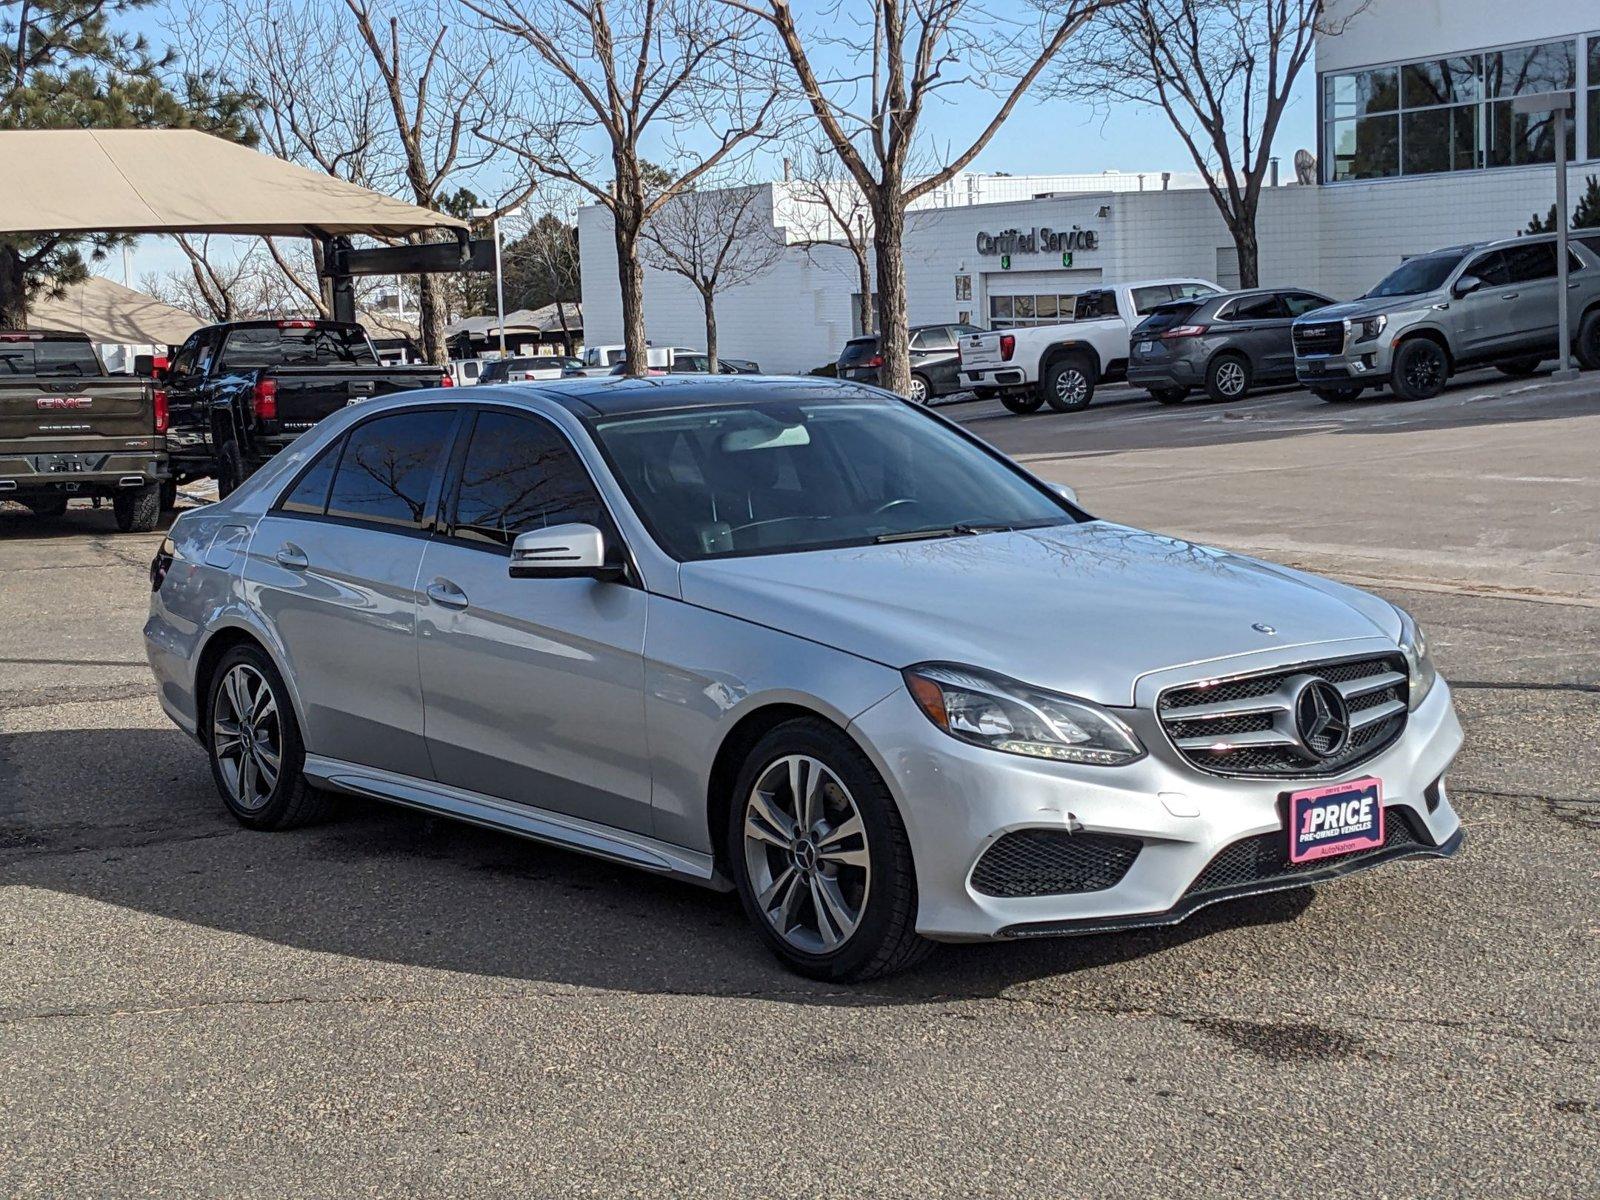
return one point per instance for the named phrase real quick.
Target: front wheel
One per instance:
(138, 510)
(821, 858)
(1069, 385)
(1421, 369)
(1170, 395)
(921, 391)
(1022, 403)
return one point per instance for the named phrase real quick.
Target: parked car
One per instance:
(729, 630)
(935, 360)
(673, 361)
(242, 391)
(522, 368)
(604, 360)
(1491, 304)
(1226, 344)
(465, 372)
(69, 429)
(1061, 364)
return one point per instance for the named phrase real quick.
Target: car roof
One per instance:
(613, 395)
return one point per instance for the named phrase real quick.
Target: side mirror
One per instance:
(1466, 285)
(145, 365)
(573, 551)
(1066, 491)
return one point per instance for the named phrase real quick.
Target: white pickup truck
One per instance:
(1060, 364)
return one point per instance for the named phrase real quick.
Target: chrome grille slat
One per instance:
(1245, 724)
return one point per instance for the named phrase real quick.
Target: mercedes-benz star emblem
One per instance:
(1263, 627)
(1322, 719)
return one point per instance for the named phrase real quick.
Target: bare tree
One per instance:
(542, 267)
(822, 187)
(1222, 71)
(716, 239)
(897, 56)
(611, 73)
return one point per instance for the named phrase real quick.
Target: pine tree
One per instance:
(1585, 216)
(63, 66)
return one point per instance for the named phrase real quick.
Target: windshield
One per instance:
(296, 344)
(773, 477)
(1419, 275)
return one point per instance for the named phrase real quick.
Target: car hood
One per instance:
(1376, 307)
(1085, 609)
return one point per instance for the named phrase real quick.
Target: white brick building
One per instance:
(1418, 148)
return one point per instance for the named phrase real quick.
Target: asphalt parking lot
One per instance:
(391, 1005)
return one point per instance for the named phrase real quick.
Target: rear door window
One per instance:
(387, 472)
(1266, 307)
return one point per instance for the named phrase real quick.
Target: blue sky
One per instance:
(1042, 137)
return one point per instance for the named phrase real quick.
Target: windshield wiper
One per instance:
(961, 529)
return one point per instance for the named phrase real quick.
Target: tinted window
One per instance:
(858, 351)
(1299, 304)
(520, 474)
(1256, 308)
(1168, 316)
(310, 493)
(296, 344)
(388, 468)
(1491, 268)
(1527, 263)
(25, 354)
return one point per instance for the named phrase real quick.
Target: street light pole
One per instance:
(1559, 106)
(499, 273)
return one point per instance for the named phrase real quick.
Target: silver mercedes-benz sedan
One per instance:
(797, 638)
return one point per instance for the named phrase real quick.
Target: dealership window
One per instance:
(963, 287)
(1042, 309)
(1452, 114)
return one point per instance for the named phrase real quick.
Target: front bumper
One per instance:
(957, 800)
(1364, 365)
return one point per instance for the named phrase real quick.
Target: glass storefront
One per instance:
(1454, 114)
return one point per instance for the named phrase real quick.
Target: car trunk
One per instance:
(46, 408)
(308, 394)
(980, 350)
(1149, 343)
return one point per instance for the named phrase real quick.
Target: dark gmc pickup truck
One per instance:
(68, 429)
(242, 391)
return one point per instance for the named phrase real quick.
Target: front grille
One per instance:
(1319, 337)
(1265, 857)
(1246, 725)
(1053, 862)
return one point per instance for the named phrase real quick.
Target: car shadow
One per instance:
(134, 821)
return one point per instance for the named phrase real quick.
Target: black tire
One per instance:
(984, 393)
(138, 510)
(1518, 368)
(1336, 395)
(1022, 403)
(169, 496)
(230, 467)
(291, 801)
(885, 938)
(1170, 395)
(1228, 378)
(1587, 347)
(50, 507)
(921, 389)
(1068, 384)
(1421, 369)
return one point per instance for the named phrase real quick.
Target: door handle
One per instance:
(446, 594)
(291, 556)
(1509, 295)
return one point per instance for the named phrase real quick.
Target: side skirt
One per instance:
(523, 820)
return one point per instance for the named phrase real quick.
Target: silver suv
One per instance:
(1492, 304)
(740, 632)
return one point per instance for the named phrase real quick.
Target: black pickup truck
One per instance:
(242, 391)
(69, 429)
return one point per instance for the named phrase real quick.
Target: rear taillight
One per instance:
(161, 564)
(446, 381)
(265, 400)
(875, 361)
(160, 400)
(1008, 347)
(1183, 331)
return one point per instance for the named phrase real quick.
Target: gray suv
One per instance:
(1491, 304)
(1225, 343)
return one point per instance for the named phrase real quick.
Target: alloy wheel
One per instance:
(246, 736)
(1071, 387)
(1230, 378)
(919, 391)
(805, 849)
(1425, 372)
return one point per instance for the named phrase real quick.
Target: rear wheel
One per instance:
(49, 506)
(256, 752)
(821, 857)
(230, 467)
(1587, 347)
(1022, 403)
(1228, 378)
(1518, 368)
(138, 510)
(921, 390)
(1421, 369)
(1069, 384)
(1170, 395)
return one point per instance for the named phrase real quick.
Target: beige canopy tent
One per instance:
(112, 314)
(183, 181)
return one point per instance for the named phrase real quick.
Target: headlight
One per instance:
(1414, 645)
(1370, 327)
(1002, 714)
